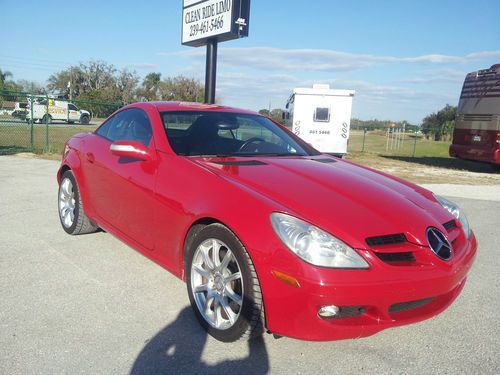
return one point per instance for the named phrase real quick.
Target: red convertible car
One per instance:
(269, 234)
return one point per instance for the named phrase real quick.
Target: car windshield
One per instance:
(197, 133)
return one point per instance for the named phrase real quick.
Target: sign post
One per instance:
(208, 22)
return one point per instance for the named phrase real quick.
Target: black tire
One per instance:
(250, 320)
(46, 119)
(80, 223)
(84, 119)
(71, 122)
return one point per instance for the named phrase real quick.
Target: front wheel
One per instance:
(84, 119)
(222, 284)
(71, 213)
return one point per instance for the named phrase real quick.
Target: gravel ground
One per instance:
(90, 304)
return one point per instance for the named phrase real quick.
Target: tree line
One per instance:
(101, 88)
(439, 125)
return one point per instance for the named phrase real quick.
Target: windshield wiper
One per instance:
(211, 155)
(277, 154)
(246, 154)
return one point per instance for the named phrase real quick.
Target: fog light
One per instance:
(328, 311)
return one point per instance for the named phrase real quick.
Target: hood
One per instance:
(349, 201)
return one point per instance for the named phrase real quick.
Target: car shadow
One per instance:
(178, 349)
(444, 162)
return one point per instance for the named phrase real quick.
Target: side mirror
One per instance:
(131, 149)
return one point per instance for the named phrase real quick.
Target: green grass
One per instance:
(376, 142)
(17, 137)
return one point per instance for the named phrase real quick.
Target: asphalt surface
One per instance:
(92, 305)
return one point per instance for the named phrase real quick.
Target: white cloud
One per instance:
(266, 58)
(391, 87)
(438, 76)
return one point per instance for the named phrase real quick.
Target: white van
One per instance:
(321, 116)
(58, 110)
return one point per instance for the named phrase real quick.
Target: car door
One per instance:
(73, 113)
(122, 189)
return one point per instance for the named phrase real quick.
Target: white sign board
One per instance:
(205, 19)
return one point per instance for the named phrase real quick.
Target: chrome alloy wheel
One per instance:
(67, 203)
(217, 284)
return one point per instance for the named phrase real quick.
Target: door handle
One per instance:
(90, 157)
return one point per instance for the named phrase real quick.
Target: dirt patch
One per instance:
(431, 170)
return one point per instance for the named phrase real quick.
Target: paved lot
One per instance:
(90, 304)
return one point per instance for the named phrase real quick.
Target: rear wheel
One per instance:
(223, 287)
(71, 213)
(47, 119)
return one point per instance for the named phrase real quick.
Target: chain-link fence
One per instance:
(42, 123)
(395, 141)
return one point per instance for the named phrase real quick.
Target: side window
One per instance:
(128, 125)
(103, 130)
(72, 107)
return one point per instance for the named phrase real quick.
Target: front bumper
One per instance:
(384, 296)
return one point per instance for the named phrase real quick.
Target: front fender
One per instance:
(72, 161)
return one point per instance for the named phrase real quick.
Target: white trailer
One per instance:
(321, 116)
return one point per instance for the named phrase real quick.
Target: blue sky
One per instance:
(405, 59)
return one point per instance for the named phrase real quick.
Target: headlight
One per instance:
(457, 212)
(314, 245)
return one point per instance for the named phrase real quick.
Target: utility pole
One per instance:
(70, 86)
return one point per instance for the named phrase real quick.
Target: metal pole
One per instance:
(211, 71)
(32, 130)
(47, 123)
(415, 143)
(404, 133)
(364, 136)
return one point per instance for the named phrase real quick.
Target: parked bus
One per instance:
(477, 124)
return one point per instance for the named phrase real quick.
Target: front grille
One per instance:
(389, 239)
(449, 225)
(405, 306)
(405, 257)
